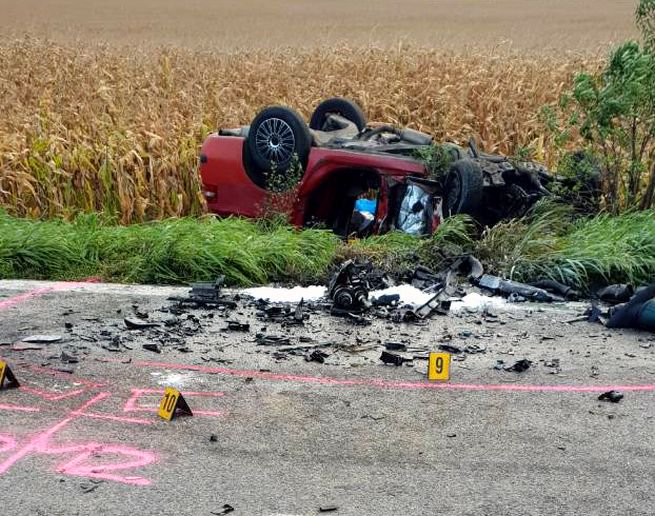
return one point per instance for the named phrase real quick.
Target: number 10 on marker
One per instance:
(439, 366)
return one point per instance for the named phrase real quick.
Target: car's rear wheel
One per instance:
(463, 188)
(337, 106)
(278, 141)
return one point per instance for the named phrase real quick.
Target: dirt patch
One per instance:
(559, 24)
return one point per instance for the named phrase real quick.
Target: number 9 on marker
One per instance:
(439, 366)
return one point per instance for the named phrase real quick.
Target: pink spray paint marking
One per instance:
(18, 408)
(80, 464)
(391, 384)
(131, 404)
(38, 292)
(57, 396)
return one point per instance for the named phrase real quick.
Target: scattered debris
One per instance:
(226, 509)
(213, 438)
(328, 508)
(155, 348)
(611, 396)
(206, 294)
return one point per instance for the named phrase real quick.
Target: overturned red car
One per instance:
(357, 178)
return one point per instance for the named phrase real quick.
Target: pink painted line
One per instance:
(49, 396)
(120, 419)
(38, 292)
(391, 384)
(67, 376)
(17, 408)
(40, 440)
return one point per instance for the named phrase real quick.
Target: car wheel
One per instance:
(463, 188)
(337, 106)
(277, 136)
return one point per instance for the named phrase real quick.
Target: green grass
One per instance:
(547, 244)
(170, 251)
(603, 249)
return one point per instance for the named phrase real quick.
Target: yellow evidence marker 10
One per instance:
(173, 404)
(439, 366)
(6, 373)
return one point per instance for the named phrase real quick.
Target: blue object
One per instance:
(646, 317)
(366, 205)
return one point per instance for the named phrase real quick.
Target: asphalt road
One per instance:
(291, 436)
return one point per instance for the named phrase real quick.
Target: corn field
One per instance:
(86, 129)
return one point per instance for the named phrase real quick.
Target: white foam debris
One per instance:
(475, 302)
(409, 295)
(175, 380)
(286, 295)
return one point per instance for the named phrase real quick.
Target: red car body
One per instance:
(229, 189)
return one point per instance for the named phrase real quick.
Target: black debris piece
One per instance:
(615, 294)
(68, 358)
(513, 288)
(448, 348)
(237, 326)
(611, 396)
(437, 304)
(138, 324)
(328, 508)
(519, 366)
(316, 356)
(281, 313)
(395, 346)
(271, 340)
(386, 300)
(155, 348)
(393, 358)
(557, 288)
(207, 294)
(213, 438)
(593, 314)
(226, 509)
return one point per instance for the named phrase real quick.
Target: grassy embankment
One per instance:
(600, 249)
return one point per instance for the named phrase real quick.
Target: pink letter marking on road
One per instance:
(79, 465)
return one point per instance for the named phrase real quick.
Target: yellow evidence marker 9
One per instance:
(6, 374)
(173, 404)
(439, 366)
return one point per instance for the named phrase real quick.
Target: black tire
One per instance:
(463, 188)
(338, 106)
(276, 135)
